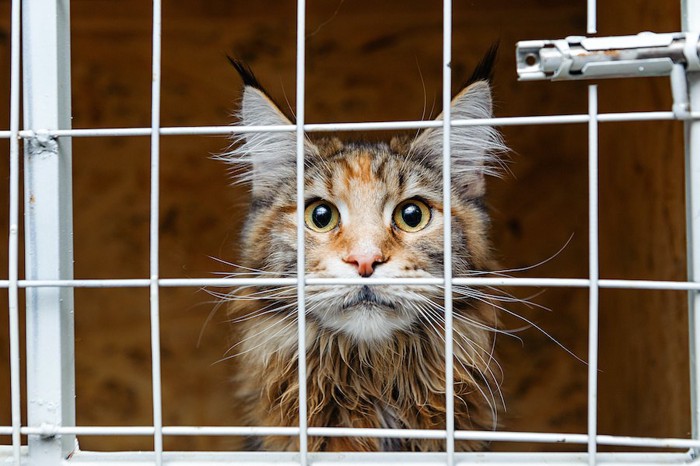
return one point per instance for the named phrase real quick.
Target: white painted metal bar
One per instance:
(491, 436)
(447, 227)
(593, 273)
(591, 7)
(472, 281)
(154, 236)
(301, 230)
(48, 226)
(167, 430)
(13, 244)
(84, 458)
(360, 126)
(691, 22)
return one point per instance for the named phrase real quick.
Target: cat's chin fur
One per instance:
(367, 323)
(368, 314)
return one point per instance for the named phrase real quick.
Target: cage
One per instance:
(152, 95)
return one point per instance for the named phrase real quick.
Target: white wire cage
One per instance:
(50, 426)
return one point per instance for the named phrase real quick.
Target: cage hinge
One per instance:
(645, 54)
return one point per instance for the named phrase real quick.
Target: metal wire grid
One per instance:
(46, 431)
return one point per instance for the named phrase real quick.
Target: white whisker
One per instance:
(489, 400)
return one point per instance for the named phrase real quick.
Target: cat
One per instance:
(375, 354)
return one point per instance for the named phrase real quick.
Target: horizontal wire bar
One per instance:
(642, 116)
(85, 283)
(167, 430)
(239, 430)
(648, 285)
(373, 433)
(374, 281)
(361, 126)
(499, 436)
(471, 281)
(226, 458)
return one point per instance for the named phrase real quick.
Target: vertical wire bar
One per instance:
(48, 227)
(593, 273)
(591, 7)
(690, 10)
(154, 253)
(13, 253)
(301, 253)
(447, 239)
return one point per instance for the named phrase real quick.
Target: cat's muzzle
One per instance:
(367, 296)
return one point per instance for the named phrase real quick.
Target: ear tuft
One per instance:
(485, 68)
(262, 159)
(265, 159)
(246, 73)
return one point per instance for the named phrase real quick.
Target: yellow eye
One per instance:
(412, 215)
(321, 216)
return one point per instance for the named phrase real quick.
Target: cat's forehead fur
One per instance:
(369, 171)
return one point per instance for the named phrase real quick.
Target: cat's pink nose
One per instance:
(364, 263)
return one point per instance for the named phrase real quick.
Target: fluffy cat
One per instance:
(375, 354)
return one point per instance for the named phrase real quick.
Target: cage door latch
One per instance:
(576, 57)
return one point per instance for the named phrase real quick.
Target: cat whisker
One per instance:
(491, 397)
(489, 400)
(210, 316)
(468, 293)
(264, 341)
(504, 272)
(263, 331)
(531, 323)
(250, 274)
(250, 269)
(527, 301)
(269, 309)
(266, 293)
(436, 312)
(286, 100)
(222, 297)
(219, 295)
(472, 322)
(425, 96)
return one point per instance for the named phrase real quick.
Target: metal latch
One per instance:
(646, 54)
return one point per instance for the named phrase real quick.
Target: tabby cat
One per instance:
(375, 354)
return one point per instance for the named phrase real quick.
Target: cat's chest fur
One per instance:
(398, 386)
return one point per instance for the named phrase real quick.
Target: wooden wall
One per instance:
(367, 61)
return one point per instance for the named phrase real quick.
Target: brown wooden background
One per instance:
(365, 62)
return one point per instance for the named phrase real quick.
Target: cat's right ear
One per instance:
(474, 149)
(271, 154)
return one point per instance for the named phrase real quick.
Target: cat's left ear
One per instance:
(474, 149)
(272, 154)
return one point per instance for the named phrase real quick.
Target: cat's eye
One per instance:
(321, 216)
(412, 215)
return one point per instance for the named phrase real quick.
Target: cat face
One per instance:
(371, 210)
